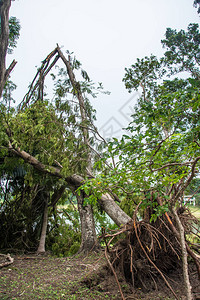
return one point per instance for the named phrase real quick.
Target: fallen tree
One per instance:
(155, 164)
(75, 181)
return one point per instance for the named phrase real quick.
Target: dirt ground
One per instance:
(80, 277)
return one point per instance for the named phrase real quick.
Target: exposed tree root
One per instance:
(148, 253)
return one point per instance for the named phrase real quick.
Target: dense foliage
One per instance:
(160, 152)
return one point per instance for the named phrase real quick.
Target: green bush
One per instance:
(64, 239)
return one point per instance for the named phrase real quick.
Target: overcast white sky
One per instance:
(105, 35)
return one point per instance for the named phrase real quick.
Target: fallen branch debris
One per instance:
(7, 260)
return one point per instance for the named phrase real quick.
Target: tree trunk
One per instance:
(113, 210)
(188, 288)
(57, 195)
(4, 37)
(82, 108)
(4, 15)
(41, 247)
(89, 240)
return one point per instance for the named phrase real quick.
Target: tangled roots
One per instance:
(147, 253)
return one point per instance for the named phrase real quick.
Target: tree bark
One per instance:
(4, 38)
(89, 241)
(184, 256)
(113, 210)
(41, 247)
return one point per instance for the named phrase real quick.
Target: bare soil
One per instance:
(81, 277)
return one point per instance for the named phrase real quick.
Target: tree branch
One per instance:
(34, 162)
(106, 201)
(41, 73)
(171, 165)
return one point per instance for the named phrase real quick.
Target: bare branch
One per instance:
(171, 165)
(10, 68)
(41, 74)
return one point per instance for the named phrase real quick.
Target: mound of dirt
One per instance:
(103, 280)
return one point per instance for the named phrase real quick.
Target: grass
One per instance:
(32, 277)
(195, 211)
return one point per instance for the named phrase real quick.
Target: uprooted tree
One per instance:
(147, 171)
(159, 156)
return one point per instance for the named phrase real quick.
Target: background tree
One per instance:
(9, 33)
(196, 3)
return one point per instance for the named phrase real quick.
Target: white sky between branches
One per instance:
(105, 35)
